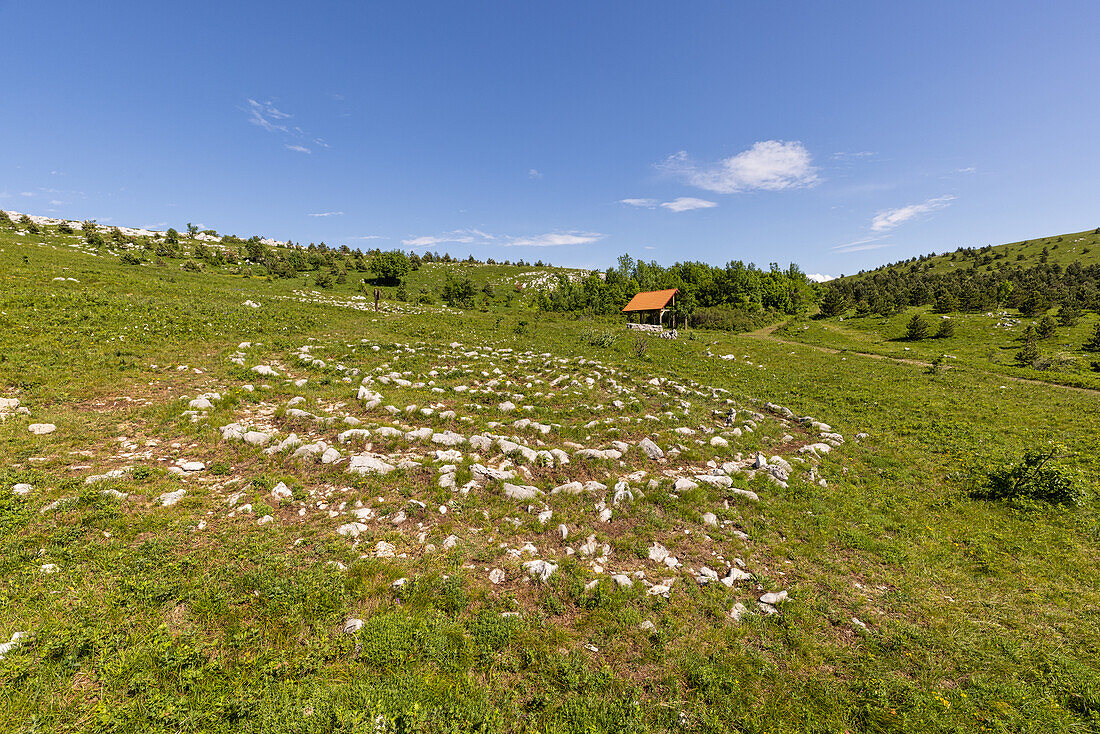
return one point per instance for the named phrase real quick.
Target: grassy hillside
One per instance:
(167, 597)
(1063, 249)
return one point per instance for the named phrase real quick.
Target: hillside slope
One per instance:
(1063, 249)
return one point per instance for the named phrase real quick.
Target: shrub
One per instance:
(129, 258)
(946, 330)
(730, 319)
(1034, 478)
(64, 228)
(597, 338)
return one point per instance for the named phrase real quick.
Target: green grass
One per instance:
(985, 342)
(980, 615)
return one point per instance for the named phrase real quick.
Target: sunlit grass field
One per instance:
(973, 615)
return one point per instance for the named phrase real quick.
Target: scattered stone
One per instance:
(170, 498)
(22, 488)
(352, 626)
(41, 429)
(540, 569)
(496, 576)
(774, 598)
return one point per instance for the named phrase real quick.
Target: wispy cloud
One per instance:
(534, 173)
(887, 220)
(478, 237)
(643, 203)
(555, 239)
(769, 165)
(870, 243)
(968, 169)
(327, 214)
(368, 237)
(687, 204)
(26, 193)
(269, 117)
(681, 204)
(266, 115)
(847, 155)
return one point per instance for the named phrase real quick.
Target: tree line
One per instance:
(735, 295)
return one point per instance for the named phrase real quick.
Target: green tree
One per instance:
(390, 267)
(1092, 344)
(916, 329)
(833, 303)
(946, 330)
(1046, 326)
(1069, 314)
(192, 230)
(1033, 304)
(457, 291)
(324, 279)
(1028, 354)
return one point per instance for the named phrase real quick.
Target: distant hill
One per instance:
(1063, 249)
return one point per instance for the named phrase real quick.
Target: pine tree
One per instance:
(917, 328)
(1069, 314)
(946, 330)
(1093, 342)
(1046, 326)
(833, 303)
(1028, 354)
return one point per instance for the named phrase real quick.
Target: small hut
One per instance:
(650, 307)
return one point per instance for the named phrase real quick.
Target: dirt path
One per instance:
(768, 334)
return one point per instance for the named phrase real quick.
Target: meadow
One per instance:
(417, 598)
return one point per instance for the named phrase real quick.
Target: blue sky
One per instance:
(835, 135)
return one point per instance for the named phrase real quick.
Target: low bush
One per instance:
(1033, 478)
(731, 319)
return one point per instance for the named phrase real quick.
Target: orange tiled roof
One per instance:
(651, 300)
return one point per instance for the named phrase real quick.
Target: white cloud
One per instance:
(645, 203)
(555, 239)
(886, 220)
(649, 247)
(968, 169)
(857, 154)
(819, 277)
(534, 173)
(769, 165)
(56, 202)
(327, 214)
(264, 114)
(687, 204)
(368, 237)
(26, 193)
(477, 237)
(861, 246)
(298, 148)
